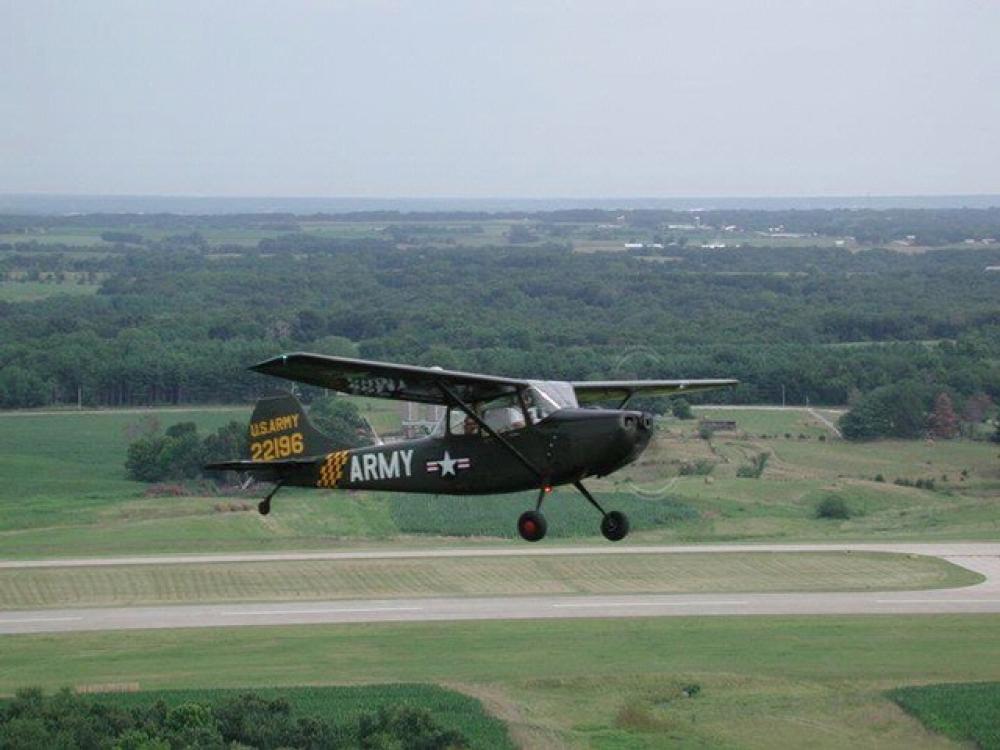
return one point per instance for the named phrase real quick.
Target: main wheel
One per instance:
(615, 526)
(532, 526)
(264, 507)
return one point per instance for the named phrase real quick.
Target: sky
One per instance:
(494, 99)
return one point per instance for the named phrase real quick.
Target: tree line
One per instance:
(32, 720)
(179, 323)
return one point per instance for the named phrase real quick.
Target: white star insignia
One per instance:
(447, 465)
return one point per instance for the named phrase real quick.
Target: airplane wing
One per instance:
(361, 377)
(588, 392)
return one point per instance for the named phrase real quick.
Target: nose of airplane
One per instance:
(638, 427)
(641, 421)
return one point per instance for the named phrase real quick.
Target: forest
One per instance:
(137, 317)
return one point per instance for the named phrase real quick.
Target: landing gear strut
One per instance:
(614, 525)
(264, 506)
(532, 524)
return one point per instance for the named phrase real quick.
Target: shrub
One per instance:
(180, 453)
(755, 468)
(700, 468)
(834, 507)
(705, 431)
(691, 690)
(879, 478)
(681, 409)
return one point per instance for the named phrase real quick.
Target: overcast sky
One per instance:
(470, 99)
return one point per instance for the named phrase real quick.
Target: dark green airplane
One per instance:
(497, 435)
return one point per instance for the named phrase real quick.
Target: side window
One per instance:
(460, 423)
(504, 414)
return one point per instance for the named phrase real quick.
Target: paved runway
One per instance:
(983, 558)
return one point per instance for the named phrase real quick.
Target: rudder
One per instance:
(279, 429)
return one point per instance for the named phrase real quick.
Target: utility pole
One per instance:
(782, 395)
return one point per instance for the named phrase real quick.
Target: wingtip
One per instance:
(268, 365)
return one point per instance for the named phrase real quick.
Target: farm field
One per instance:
(34, 588)
(757, 682)
(65, 492)
(968, 712)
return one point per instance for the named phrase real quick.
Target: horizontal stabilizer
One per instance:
(266, 470)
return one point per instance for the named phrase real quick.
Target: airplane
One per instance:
(498, 434)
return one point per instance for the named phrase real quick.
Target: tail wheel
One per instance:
(532, 526)
(614, 526)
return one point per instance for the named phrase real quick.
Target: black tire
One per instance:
(615, 526)
(264, 507)
(532, 526)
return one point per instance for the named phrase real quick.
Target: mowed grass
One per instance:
(763, 682)
(567, 514)
(967, 712)
(65, 493)
(801, 472)
(68, 455)
(471, 576)
(343, 704)
(775, 422)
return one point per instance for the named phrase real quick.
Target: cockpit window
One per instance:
(502, 414)
(505, 413)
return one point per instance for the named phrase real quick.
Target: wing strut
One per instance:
(456, 401)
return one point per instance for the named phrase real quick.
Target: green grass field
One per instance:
(764, 682)
(967, 712)
(65, 492)
(332, 579)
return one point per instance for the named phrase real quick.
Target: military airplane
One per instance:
(497, 434)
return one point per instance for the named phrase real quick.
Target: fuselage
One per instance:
(567, 446)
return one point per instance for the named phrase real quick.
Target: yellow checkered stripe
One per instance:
(332, 470)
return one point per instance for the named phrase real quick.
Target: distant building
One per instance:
(718, 425)
(992, 268)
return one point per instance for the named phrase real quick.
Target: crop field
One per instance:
(65, 491)
(757, 682)
(967, 712)
(331, 579)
